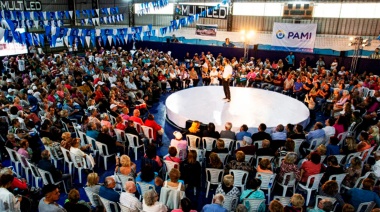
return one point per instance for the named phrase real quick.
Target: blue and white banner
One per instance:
(294, 37)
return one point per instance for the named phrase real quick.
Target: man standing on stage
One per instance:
(227, 73)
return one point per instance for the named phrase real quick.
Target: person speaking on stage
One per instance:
(227, 74)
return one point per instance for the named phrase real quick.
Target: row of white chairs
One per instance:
(27, 166)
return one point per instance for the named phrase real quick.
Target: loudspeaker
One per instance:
(255, 47)
(343, 53)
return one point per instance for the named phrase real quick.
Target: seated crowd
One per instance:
(81, 108)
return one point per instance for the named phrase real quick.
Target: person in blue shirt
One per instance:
(243, 132)
(107, 190)
(216, 206)
(290, 59)
(297, 88)
(332, 147)
(92, 131)
(228, 43)
(365, 194)
(318, 132)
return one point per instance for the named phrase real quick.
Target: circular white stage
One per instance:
(248, 106)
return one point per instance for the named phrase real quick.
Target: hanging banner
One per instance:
(206, 30)
(294, 37)
(220, 12)
(58, 43)
(25, 5)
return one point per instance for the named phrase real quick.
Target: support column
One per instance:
(131, 13)
(72, 6)
(230, 16)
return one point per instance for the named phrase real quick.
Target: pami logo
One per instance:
(300, 36)
(280, 34)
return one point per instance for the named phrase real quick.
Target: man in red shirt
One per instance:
(136, 117)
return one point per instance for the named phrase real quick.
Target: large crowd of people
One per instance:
(55, 104)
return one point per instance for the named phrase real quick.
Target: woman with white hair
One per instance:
(179, 143)
(151, 203)
(338, 106)
(227, 187)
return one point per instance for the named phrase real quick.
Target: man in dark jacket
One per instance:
(45, 164)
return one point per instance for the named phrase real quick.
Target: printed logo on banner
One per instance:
(280, 34)
(294, 37)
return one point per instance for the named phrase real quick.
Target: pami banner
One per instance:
(187, 10)
(294, 37)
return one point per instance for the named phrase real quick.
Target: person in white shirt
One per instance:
(376, 166)
(128, 198)
(151, 203)
(227, 74)
(214, 76)
(329, 129)
(8, 202)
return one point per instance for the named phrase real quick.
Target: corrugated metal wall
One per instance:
(347, 26)
(56, 5)
(344, 26)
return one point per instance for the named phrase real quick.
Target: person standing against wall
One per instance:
(290, 59)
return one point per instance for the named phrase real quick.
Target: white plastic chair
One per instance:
(68, 160)
(144, 187)
(169, 165)
(309, 187)
(193, 141)
(284, 200)
(342, 136)
(94, 149)
(366, 153)
(124, 208)
(228, 143)
(122, 179)
(83, 138)
(249, 159)
(24, 164)
(288, 181)
(91, 196)
(138, 127)
(35, 174)
(258, 144)
(319, 198)
(254, 204)
(13, 156)
(315, 143)
(230, 202)
(238, 144)
(338, 178)
(54, 155)
(79, 163)
(297, 145)
(223, 157)
(209, 143)
(103, 152)
(240, 178)
(112, 119)
(266, 180)
(121, 137)
(47, 178)
(213, 177)
(339, 158)
(148, 132)
(359, 182)
(133, 141)
(367, 205)
(349, 157)
(107, 204)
